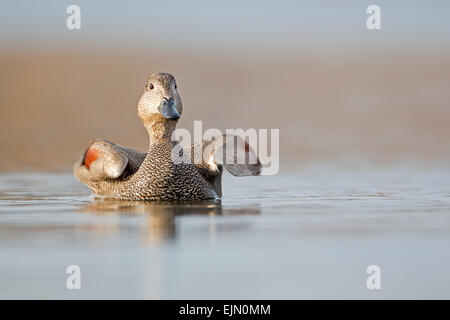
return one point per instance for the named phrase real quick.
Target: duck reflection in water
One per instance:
(160, 216)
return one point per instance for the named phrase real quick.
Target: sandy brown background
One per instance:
(383, 107)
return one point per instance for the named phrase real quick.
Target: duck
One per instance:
(116, 172)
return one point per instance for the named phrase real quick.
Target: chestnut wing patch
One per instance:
(104, 160)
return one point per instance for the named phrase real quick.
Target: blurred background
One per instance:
(338, 92)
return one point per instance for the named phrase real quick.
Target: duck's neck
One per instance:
(159, 150)
(160, 132)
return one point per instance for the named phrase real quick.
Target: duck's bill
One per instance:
(168, 110)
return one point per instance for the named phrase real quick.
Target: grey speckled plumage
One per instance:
(118, 172)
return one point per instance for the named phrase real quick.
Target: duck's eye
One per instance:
(150, 86)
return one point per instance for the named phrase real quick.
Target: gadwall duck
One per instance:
(117, 172)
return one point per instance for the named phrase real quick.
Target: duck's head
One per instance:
(160, 102)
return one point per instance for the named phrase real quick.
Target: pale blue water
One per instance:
(308, 233)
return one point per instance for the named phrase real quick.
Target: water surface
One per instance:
(307, 233)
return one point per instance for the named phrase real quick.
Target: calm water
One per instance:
(300, 234)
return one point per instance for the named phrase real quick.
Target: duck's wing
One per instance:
(230, 151)
(104, 160)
